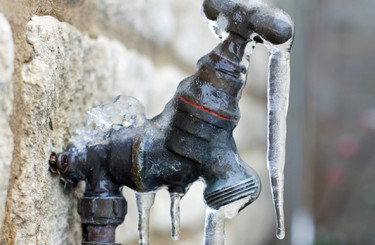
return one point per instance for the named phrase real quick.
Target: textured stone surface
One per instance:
(75, 2)
(192, 38)
(167, 79)
(152, 19)
(6, 137)
(68, 74)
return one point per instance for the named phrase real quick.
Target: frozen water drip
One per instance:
(278, 100)
(175, 214)
(144, 204)
(214, 233)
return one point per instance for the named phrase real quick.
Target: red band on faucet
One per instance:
(206, 110)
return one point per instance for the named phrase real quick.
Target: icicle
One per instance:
(175, 214)
(278, 99)
(144, 204)
(214, 233)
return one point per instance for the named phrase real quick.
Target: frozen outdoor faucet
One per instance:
(191, 139)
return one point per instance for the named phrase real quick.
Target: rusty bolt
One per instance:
(52, 158)
(52, 163)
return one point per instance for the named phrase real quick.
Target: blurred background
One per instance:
(330, 165)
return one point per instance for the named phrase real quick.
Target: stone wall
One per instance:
(6, 95)
(58, 59)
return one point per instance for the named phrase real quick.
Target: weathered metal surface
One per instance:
(192, 138)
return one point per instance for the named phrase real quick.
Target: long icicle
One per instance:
(278, 100)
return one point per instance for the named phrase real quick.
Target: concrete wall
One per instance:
(58, 59)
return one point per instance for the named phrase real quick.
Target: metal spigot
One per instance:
(190, 140)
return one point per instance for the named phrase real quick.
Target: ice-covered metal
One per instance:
(191, 139)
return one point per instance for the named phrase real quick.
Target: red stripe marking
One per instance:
(206, 110)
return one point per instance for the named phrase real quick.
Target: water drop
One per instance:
(144, 204)
(175, 214)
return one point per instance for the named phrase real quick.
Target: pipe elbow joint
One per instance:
(70, 165)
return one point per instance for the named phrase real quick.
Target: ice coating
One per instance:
(125, 111)
(175, 214)
(214, 233)
(218, 27)
(85, 137)
(144, 204)
(247, 17)
(255, 20)
(278, 100)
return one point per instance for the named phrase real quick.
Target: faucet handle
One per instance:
(249, 18)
